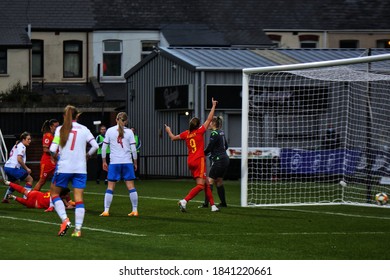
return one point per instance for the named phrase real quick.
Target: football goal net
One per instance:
(316, 133)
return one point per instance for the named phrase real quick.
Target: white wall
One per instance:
(53, 50)
(132, 48)
(17, 69)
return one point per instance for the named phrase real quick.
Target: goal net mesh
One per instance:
(318, 135)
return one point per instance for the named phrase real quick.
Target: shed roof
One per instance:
(236, 59)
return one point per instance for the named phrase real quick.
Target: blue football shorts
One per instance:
(78, 181)
(15, 174)
(120, 171)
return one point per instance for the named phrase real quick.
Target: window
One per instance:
(349, 44)
(228, 96)
(73, 55)
(275, 39)
(3, 61)
(37, 58)
(148, 47)
(172, 97)
(383, 44)
(308, 41)
(112, 58)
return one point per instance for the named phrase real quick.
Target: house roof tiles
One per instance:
(227, 22)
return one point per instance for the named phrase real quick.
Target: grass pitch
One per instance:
(162, 232)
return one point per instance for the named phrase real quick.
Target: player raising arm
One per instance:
(194, 138)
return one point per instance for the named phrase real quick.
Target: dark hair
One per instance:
(194, 124)
(47, 124)
(22, 137)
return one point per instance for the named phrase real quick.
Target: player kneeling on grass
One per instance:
(38, 199)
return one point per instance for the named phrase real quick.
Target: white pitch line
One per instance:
(56, 224)
(202, 234)
(265, 208)
(248, 234)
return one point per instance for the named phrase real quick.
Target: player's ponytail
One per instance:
(47, 125)
(70, 114)
(121, 120)
(219, 122)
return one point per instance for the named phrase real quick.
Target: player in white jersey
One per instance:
(123, 162)
(71, 139)
(15, 167)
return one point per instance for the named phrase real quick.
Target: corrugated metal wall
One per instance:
(159, 155)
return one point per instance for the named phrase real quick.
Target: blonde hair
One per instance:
(217, 122)
(70, 114)
(121, 120)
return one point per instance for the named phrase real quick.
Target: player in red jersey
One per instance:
(38, 199)
(47, 163)
(194, 138)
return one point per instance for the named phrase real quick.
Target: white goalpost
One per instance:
(3, 157)
(316, 133)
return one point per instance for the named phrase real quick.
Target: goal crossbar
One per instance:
(319, 64)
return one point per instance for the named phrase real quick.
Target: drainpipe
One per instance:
(202, 97)
(87, 74)
(29, 59)
(325, 40)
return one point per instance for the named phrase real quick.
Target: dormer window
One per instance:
(308, 41)
(275, 39)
